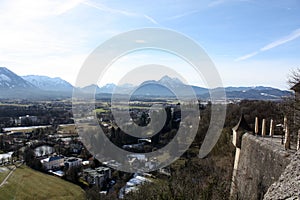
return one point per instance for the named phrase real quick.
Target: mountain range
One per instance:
(43, 87)
(9, 80)
(47, 83)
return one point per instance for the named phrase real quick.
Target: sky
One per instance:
(250, 42)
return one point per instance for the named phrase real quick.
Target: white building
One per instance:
(133, 184)
(53, 162)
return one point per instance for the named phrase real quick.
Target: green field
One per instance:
(26, 183)
(3, 173)
(101, 110)
(14, 104)
(66, 129)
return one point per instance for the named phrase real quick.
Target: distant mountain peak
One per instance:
(4, 69)
(168, 79)
(109, 85)
(35, 86)
(171, 82)
(48, 83)
(10, 80)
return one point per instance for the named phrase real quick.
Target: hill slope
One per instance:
(26, 183)
(10, 80)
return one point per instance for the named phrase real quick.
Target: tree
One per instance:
(72, 173)
(113, 133)
(292, 109)
(28, 155)
(31, 161)
(94, 193)
(1, 142)
(294, 77)
(143, 119)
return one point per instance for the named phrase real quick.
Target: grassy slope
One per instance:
(3, 173)
(26, 183)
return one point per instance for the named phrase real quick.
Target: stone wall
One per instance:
(261, 162)
(288, 185)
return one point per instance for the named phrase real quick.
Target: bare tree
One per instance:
(292, 105)
(294, 77)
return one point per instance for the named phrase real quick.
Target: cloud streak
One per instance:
(105, 8)
(182, 15)
(216, 3)
(151, 19)
(292, 36)
(245, 57)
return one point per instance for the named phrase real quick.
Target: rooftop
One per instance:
(51, 158)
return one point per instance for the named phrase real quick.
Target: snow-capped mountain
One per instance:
(164, 86)
(171, 82)
(108, 88)
(47, 83)
(10, 80)
(32, 86)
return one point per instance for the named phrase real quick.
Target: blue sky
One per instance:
(251, 42)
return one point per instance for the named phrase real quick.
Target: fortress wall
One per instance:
(259, 164)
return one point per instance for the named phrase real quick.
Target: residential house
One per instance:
(53, 162)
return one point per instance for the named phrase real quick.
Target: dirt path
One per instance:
(8, 175)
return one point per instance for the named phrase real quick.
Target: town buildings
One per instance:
(53, 162)
(97, 176)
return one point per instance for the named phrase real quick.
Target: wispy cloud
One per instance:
(220, 2)
(292, 36)
(182, 15)
(216, 3)
(245, 57)
(197, 10)
(25, 33)
(35, 38)
(105, 8)
(67, 6)
(151, 19)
